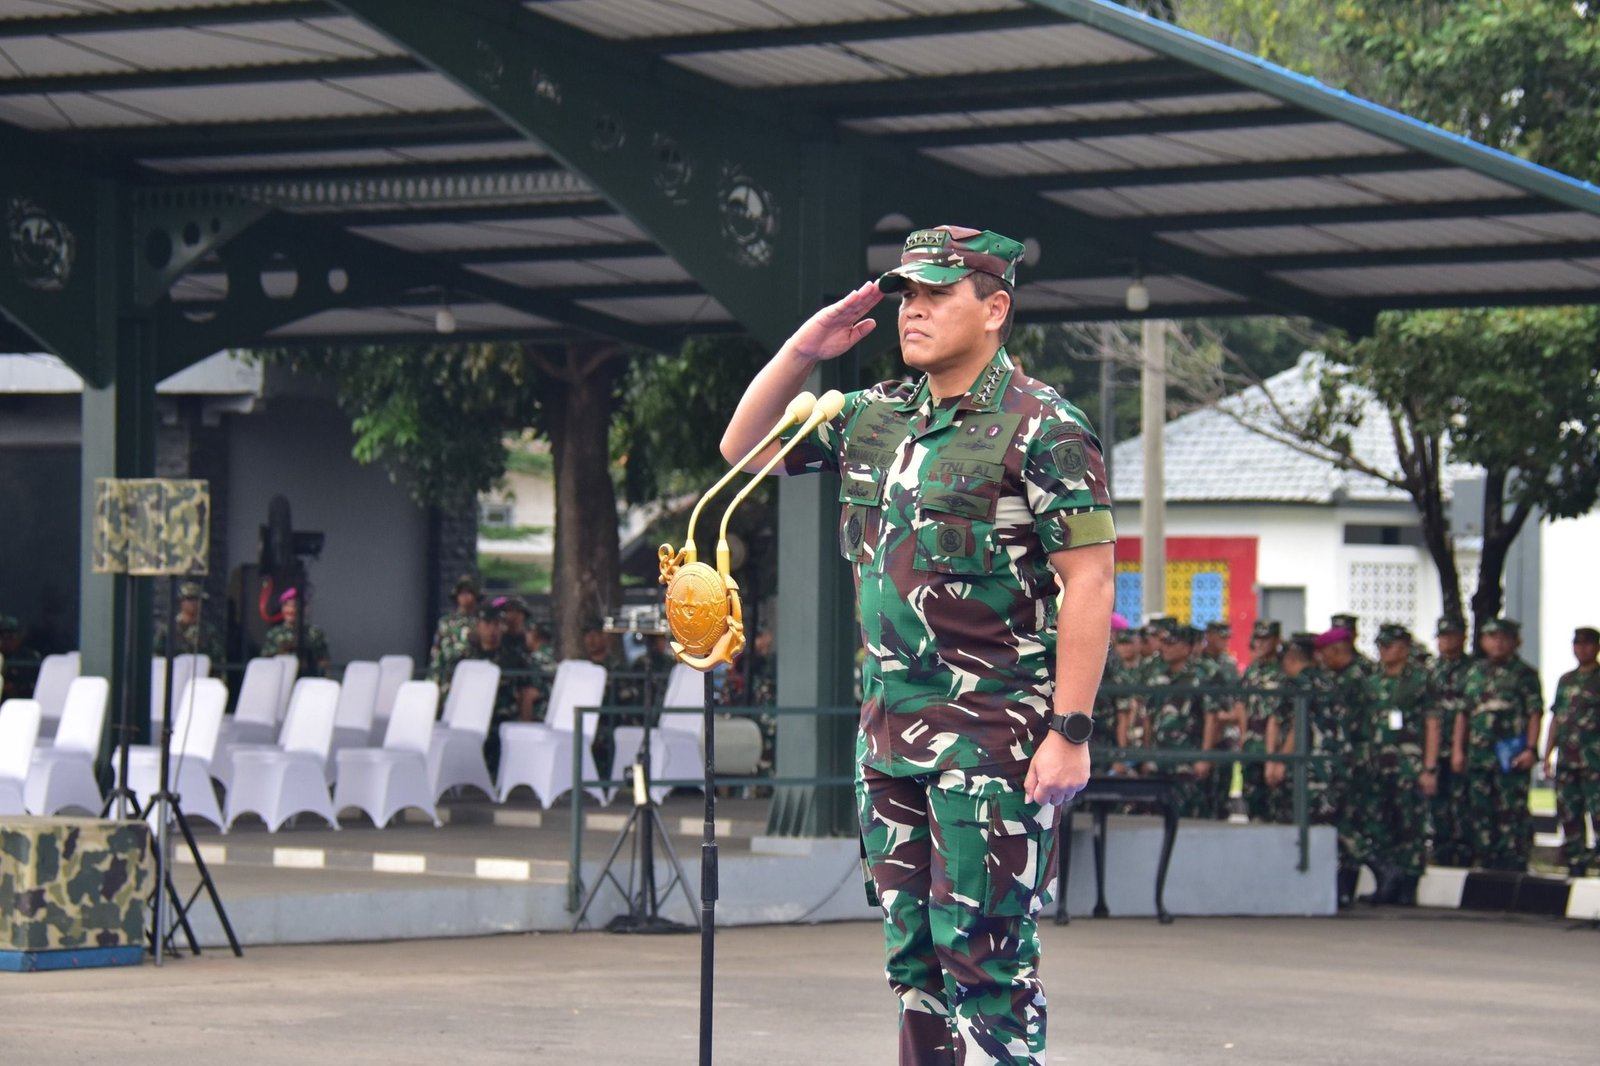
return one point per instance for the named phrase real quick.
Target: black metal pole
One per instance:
(708, 878)
(163, 837)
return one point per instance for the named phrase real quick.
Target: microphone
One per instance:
(703, 608)
(827, 407)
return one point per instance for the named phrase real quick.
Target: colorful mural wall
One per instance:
(1208, 579)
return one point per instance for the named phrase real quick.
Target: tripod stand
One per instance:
(645, 829)
(168, 808)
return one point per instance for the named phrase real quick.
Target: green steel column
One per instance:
(817, 627)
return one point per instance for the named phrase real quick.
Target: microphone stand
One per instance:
(706, 619)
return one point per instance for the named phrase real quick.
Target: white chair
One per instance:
(290, 665)
(382, 782)
(539, 754)
(279, 783)
(255, 717)
(455, 752)
(393, 671)
(50, 689)
(675, 741)
(185, 668)
(222, 767)
(62, 775)
(358, 695)
(195, 728)
(19, 731)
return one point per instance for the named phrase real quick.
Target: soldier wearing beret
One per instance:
(1575, 736)
(453, 632)
(193, 634)
(1495, 744)
(285, 638)
(1443, 702)
(965, 495)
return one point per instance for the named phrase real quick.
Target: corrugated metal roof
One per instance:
(1230, 185)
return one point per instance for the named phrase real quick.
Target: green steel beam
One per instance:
(721, 197)
(1146, 126)
(618, 290)
(1449, 256)
(174, 231)
(1398, 211)
(834, 33)
(552, 253)
(521, 171)
(206, 77)
(161, 19)
(192, 140)
(588, 206)
(1140, 177)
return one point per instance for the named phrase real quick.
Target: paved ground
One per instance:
(1378, 987)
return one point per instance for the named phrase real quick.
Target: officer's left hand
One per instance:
(1058, 771)
(1523, 761)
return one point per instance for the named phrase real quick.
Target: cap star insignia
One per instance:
(957, 260)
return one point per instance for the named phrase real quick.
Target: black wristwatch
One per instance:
(1077, 727)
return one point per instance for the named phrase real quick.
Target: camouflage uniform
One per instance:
(1261, 803)
(542, 659)
(1325, 734)
(1389, 803)
(950, 510)
(1501, 698)
(1345, 735)
(451, 637)
(1179, 722)
(1575, 734)
(1217, 789)
(280, 640)
(1444, 700)
(200, 637)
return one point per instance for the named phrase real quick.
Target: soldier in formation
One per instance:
(1572, 751)
(1387, 797)
(1446, 789)
(1344, 738)
(453, 633)
(1179, 718)
(1256, 712)
(1495, 745)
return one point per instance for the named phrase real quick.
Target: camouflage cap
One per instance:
(1586, 635)
(1390, 632)
(465, 583)
(1503, 625)
(944, 255)
(9, 624)
(1127, 636)
(515, 603)
(1448, 625)
(191, 590)
(1344, 621)
(1266, 628)
(488, 613)
(1304, 640)
(1161, 623)
(1180, 633)
(1219, 627)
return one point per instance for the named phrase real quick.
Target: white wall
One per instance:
(1569, 593)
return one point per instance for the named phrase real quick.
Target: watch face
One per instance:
(1077, 727)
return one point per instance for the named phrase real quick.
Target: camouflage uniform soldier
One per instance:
(452, 634)
(513, 697)
(1494, 745)
(18, 665)
(1303, 680)
(1446, 789)
(1123, 711)
(284, 638)
(1574, 738)
(1391, 806)
(964, 496)
(541, 657)
(1178, 722)
(193, 634)
(1224, 725)
(1345, 718)
(1256, 713)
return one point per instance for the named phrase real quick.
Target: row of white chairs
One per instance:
(276, 770)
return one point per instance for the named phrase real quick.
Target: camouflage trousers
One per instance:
(1447, 820)
(961, 873)
(1577, 803)
(1499, 826)
(1392, 814)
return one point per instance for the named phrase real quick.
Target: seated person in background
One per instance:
(282, 639)
(193, 634)
(18, 665)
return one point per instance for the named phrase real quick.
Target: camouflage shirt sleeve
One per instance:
(820, 450)
(1065, 476)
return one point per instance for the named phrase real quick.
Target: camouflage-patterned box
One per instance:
(73, 886)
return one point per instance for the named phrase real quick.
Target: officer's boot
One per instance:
(1388, 889)
(1347, 885)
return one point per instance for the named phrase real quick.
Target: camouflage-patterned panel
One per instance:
(69, 883)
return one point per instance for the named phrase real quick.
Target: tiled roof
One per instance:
(1212, 455)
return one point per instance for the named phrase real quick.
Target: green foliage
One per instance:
(510, 532)
(525, 577)
(523, 460)
(435, 415)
